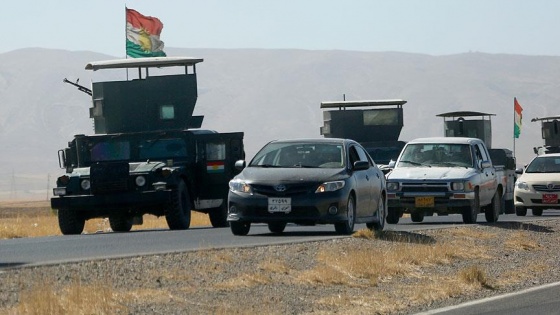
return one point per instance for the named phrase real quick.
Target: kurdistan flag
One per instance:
(517, 119)
(142, 35)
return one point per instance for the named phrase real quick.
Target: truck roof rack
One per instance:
(464, 114)
(340, 104)
(151, 62)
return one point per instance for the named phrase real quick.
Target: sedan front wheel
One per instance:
(347, 227)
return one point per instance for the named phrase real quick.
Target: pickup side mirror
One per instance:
(485, 164)
(240, 164)
(392, 164)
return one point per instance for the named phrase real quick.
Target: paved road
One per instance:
(58, 249)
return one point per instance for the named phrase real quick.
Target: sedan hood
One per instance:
(430, 173)
(290, 175)
(540, 178)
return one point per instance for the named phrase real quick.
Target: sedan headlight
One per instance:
(393, 186)
(330, 186)
(522, 185)
(240, 186)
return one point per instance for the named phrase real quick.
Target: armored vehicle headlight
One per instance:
(392, 186)
(457, 186)
(64, 179)
(86, 184)
(330, 186)
(140, 181)
(59, 191)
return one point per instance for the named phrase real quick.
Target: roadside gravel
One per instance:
(305, 278)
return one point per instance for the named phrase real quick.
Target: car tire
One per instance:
(218, 216)
(537, 211)
(120, 223)
(178, 216)
(469, 213)
(393, 215)
(240, 228)
(417, 216)
(381, 215)
(493, 211)
(347, 227)
(520, 211)
(276, 227)
(70, 222)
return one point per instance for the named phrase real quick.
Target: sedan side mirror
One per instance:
(240, 164)
(361, 165)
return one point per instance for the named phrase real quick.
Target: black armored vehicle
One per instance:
(148, 154)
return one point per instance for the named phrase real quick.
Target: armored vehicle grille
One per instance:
(109, 177)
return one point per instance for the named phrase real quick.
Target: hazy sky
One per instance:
(435, 27)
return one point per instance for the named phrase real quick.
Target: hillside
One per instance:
(271, 94)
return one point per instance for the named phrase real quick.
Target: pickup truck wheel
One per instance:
(381, 214)
(70, 222)
(240, 228)
(520, 211)
(470, 213)
(218, 216)
(178, 216)
(537, 211)
(277, 227)
(493, 211)
(417, 216)
(120, 223)
(393, 215)
(347, 227)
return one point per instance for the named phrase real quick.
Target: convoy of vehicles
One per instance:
(444, 175)
(308, 182)
(148, 154)
(538, 186)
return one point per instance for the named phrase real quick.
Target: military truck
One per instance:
(375, 124)
(550, 132)
(479, 125)
(148, 154)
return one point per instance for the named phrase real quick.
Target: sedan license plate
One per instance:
(549, 198)
(424, 202)
(282, 205)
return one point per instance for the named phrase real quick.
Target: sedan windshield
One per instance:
(321, 155)
(544, 164)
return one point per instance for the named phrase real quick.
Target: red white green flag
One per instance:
(142, 35)
(517, 119)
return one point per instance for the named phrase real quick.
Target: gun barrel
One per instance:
(80, 87)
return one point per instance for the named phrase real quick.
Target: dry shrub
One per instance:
(473, 275)
(75, 298)
(521, 240)
(245, 281)
(471, 233)
(274, 266)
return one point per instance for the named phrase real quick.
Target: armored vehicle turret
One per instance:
(148, 155)
(375, 124)
(550, 132)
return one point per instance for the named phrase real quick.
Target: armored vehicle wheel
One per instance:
(70, 222)
(120, 223)
(493, 211)
(218, 216)
(347, 227)
(381, 214)
(240, 228)
(277, 227)
(537, 211)
(470, 213)
(178, 216)
(393, 215)
(417, 216)
(520, 211)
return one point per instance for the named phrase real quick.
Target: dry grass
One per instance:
(37, 219)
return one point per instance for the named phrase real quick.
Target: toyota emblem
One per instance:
(550, 186)
(280, 188)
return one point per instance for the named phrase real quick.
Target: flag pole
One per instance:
(514, 127)
(125, 30)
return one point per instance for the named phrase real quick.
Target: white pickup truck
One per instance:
(444, 175)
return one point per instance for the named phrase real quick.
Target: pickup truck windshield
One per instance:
(436, 154)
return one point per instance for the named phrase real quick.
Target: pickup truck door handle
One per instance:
(367, 177)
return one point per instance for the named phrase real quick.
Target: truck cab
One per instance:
(148, 154)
